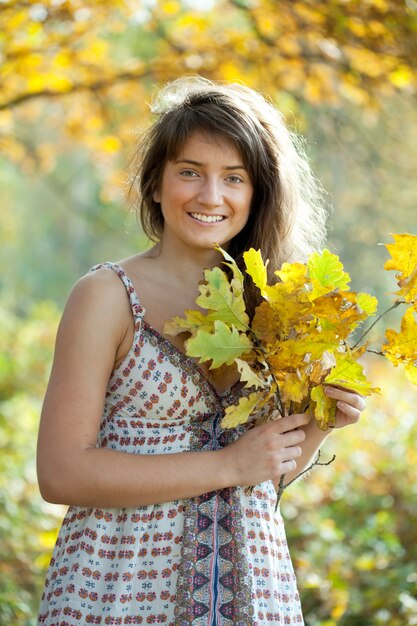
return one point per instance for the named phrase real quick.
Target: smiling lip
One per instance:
(207, 219)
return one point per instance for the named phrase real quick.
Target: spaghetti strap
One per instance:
(136, 307)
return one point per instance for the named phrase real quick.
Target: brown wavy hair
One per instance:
(287, 216)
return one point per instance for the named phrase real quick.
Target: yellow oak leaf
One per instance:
(291, 306)
(220, 347)
(326, 273)
(294, 387)
(293, 285)
(408, 287)
(309, 347)
(318, 370)
(194, 320)
(223, 299)
(348, 373)
(305, 355)
(294, 274)
(403, 254)
(230, 262)
(284, 359)
(248, 376)
(256, 268)
(236, 414)
(323, 407)
(404, 259)
(341, 311)
(402, 347)
(266, 324)
(367, 303)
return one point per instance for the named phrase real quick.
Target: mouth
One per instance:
(208, 219)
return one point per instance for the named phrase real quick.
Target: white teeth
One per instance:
(207, 218)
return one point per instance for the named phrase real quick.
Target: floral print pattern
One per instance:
(217, 559)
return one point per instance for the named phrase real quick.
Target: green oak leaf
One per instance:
(221, 347)
(326, 273)
(349, 373)
(223, 299)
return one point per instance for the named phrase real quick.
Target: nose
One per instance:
(210, 193)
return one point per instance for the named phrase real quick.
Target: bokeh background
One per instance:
(76, 85)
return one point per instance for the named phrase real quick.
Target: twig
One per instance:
(282, 486)
(394, 306)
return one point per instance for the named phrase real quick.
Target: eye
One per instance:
(188, 173)
(234, 178)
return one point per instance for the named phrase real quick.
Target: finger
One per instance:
(349, 397)
(288, 466)
(292, 437)
(349, 411)
(291, 422)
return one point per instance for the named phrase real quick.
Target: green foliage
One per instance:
(27, 526)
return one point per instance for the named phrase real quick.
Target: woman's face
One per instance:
(205, 193)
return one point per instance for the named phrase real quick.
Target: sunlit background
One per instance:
(76, 84)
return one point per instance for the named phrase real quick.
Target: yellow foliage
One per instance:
(298, 336)
(404, 259)
(248, 376)
(194, 320)
(294, 387)
(237, 414)
(326, 273)
(54, 48)
(265, 324)
(402, 347)
(111, 144)
(256, 268)
(349, 373)
(170, 7)
(323, 408)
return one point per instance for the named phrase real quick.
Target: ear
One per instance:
(156, 196)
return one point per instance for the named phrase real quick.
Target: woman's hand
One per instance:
(266, 451)
(349, 405)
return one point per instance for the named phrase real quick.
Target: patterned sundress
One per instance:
(220, 559)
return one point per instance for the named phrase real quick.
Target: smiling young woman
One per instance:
(160, 528)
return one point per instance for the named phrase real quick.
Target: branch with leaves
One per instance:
(300, 337)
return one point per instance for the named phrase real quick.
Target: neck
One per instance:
(184, 263)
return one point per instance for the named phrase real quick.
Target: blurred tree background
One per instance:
(76, 83)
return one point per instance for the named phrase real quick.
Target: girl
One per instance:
(159, 528)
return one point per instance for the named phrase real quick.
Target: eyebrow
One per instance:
(227, 167)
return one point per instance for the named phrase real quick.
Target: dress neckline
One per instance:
(139, 310)
(219, 395)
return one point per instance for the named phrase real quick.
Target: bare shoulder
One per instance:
(97, 301)
(102, 285)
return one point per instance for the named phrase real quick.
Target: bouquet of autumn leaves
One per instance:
(298, 340)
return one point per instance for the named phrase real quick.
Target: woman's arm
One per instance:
(71, 470)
